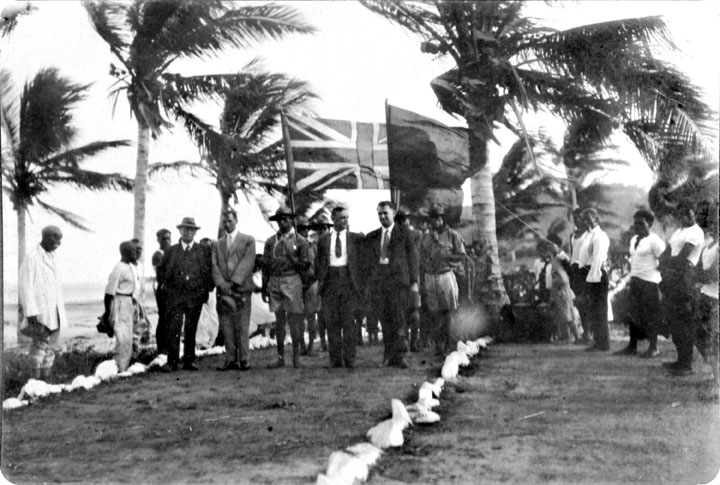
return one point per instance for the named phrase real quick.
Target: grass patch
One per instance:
(78, 360)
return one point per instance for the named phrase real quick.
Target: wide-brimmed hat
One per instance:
(402, 213)
(322, 222)
(302, 222)
(282, 213)
(436, 210)
(188, 222)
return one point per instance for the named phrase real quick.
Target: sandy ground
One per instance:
(521, 414)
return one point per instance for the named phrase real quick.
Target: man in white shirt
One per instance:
(595, 291)
(341, 286)
(576, 273)
(678, 289)
(40, 297)
(123, 308)
(644, 291)
(707, 304)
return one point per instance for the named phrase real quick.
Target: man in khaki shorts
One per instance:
(440, 248)
(285, 258)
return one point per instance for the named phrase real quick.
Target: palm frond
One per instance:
(111, 21)
(69, 217)
(45, 113)
(180, 166)
(73, 156)
(11, 14)
(88, 179)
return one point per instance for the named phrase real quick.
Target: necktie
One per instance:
(338, 245)
(385, 244)
(229, 241)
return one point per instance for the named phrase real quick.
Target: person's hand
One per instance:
(33, 320)
(265, 297)
(414, 287)
(225, 287)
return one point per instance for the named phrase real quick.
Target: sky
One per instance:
(354, 62)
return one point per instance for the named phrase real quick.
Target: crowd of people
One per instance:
(322, 277)
(672, 288)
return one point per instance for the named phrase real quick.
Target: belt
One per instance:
(287, 273)
(438, 273)
(123, 294)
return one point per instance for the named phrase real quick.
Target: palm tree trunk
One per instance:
(22, 340)
(224, 206)
(489, 278)
(141, 169)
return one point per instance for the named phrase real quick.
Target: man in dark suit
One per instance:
(164, 239)
(392, 264)
(233, 259)
(338, 265)
(185, 276)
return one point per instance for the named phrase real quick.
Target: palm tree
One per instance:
(240, 154)
(146, 36)
(38, 151)
(505, 63)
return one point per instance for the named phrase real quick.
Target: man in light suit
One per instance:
(42, 303)
(392, 264)
(185, 277)
(338, 268)
(233, 258)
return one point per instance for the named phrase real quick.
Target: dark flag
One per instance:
(338, 154)
(428, 161)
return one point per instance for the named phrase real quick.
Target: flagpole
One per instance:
(289, 162)
(394, 192)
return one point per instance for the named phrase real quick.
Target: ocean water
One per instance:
(81, 300)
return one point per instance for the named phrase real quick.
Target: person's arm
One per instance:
(244, 269)
(267, 254)
(218, 279)
(26, 288)
(413, 261)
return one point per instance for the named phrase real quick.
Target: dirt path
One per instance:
(522, 414)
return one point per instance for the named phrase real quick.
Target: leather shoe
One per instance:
(681, 371)
(167, 368)
(403, 363)
(243, 365)
(649, 354)
(191, 366)
(228, 366)
(626, 351)
(280, 363)
(350, 365)
(670, 365)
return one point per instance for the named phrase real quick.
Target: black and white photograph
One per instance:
(362, 241)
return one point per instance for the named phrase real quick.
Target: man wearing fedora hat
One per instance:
(185, 276)
(440, 248)
(285, 258)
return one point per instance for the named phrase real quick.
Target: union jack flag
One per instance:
(338, 154)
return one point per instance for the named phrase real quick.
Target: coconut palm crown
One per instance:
(243, 152)
(38, 150)
(506, 63)
(147, 36)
